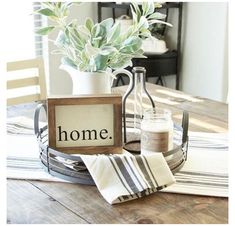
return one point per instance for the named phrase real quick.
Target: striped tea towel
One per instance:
(22, 125)
(206, 170)
(121, 178)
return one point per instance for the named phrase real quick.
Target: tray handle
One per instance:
(37, 129)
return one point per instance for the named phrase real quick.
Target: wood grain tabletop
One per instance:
(40, 202)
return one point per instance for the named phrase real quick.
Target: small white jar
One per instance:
(156, 131)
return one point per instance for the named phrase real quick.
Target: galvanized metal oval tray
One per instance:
(71, 168)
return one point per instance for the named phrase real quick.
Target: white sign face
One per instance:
(84, 125)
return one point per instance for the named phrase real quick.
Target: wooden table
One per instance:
(53, 202)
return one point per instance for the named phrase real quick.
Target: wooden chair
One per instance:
(22, 82)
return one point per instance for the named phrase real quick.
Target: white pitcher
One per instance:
(92, 82)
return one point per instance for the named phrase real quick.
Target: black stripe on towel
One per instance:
(126, 174)
(195, 183)
(150, 170)
(110, 158)
(136, 176)
(148, 190)
(204, 174)
(144, 170)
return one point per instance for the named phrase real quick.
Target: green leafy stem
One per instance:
(97, 47)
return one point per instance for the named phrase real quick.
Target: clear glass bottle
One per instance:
(132, 121)
(156, 131)
(138, 100)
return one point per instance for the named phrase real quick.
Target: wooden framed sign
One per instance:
(85, 124)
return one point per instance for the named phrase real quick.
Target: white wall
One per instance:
(204, 50)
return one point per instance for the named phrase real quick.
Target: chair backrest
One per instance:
(26, 82)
